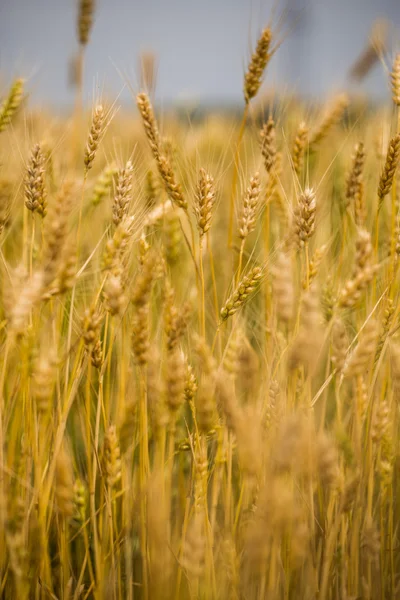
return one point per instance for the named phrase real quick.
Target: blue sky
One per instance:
(202, 46)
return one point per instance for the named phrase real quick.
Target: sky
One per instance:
(202, 46)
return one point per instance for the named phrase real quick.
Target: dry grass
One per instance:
(196, 403)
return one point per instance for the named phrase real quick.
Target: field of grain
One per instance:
(200, 347)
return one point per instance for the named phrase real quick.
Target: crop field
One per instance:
(200, 345)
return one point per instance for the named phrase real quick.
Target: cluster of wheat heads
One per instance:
(200, 351)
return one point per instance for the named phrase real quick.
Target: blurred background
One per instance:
(201, 47)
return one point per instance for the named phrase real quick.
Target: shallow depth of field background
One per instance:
(199, 300)
(201, 46)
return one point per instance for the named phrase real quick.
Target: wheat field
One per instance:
(200, 346)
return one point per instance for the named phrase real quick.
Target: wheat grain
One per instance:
(395, 80)
(250, 205)
(35, 190)
(257, 65)
(11, 103)
(95, 135)
(389, 169)
(204, 202)
(85, 20)
(242, 293)
(268, 144)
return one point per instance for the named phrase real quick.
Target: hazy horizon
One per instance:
(201, 47)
